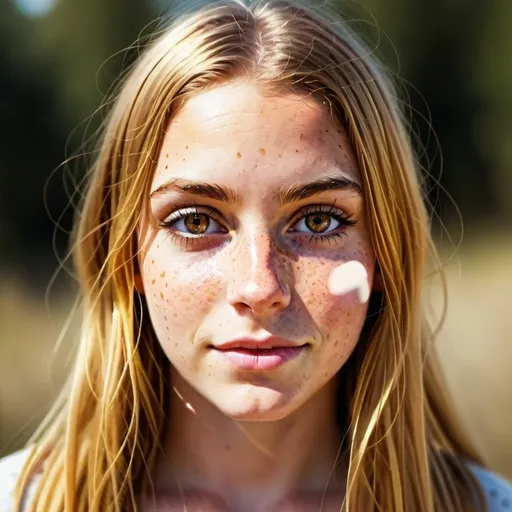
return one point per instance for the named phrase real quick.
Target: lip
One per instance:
(258, 354)
(257, 343)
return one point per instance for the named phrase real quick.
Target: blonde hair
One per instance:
(98, 445)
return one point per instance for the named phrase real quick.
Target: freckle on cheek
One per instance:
(162, 274)
(238, 155)
(262, 151)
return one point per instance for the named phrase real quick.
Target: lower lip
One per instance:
(259, 359)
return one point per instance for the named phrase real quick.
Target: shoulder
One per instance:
(10, 470)
(497, 490)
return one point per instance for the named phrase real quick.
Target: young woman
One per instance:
(251, 151)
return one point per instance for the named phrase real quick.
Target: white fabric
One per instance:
(497, 490)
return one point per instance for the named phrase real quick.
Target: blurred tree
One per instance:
(439, 45)
(31, 141)
(48, 90)
(493, 81)
(89, 42)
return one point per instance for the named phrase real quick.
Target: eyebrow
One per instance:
(209, 190)
(301, 191)
(286, 195)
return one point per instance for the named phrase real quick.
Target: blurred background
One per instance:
(453, 61)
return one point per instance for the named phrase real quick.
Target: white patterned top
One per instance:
(498, 491)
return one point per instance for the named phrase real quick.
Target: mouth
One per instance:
(258, 355)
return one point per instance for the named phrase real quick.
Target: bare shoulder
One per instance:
(10, 470)
(497, 490)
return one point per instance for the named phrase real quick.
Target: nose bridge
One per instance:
(256, 281)
(259, 249)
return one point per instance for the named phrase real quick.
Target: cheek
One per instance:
(334, 314)
(179, 292)
(339, 318)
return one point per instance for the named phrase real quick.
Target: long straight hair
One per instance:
(406, 451)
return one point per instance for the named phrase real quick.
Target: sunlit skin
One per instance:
(253, 261)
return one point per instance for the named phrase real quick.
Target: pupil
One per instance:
(197, 223)
(318, 223)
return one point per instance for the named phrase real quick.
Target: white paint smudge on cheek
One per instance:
(349, 277)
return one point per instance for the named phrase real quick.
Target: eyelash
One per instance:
(339, 215)
(320, 208)
(180, 214)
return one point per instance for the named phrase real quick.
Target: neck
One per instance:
(262, 463)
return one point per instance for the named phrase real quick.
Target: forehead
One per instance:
(238, 135)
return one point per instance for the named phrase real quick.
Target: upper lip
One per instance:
(257, 343)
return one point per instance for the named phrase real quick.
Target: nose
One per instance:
(255, 282)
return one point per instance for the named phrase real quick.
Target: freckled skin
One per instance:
(258, 270)
(255, 277)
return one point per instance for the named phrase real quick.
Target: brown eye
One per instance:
(318, 222)
(197, 223)
(193, 223)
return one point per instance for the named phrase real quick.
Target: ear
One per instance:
(137, 277)
(138, 284)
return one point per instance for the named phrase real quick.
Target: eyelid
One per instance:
(345, 220)
(320, 207)
(187, 208)
(183, 211)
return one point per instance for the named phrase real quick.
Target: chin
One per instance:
(256, 403)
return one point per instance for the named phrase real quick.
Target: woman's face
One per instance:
(256, 199)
